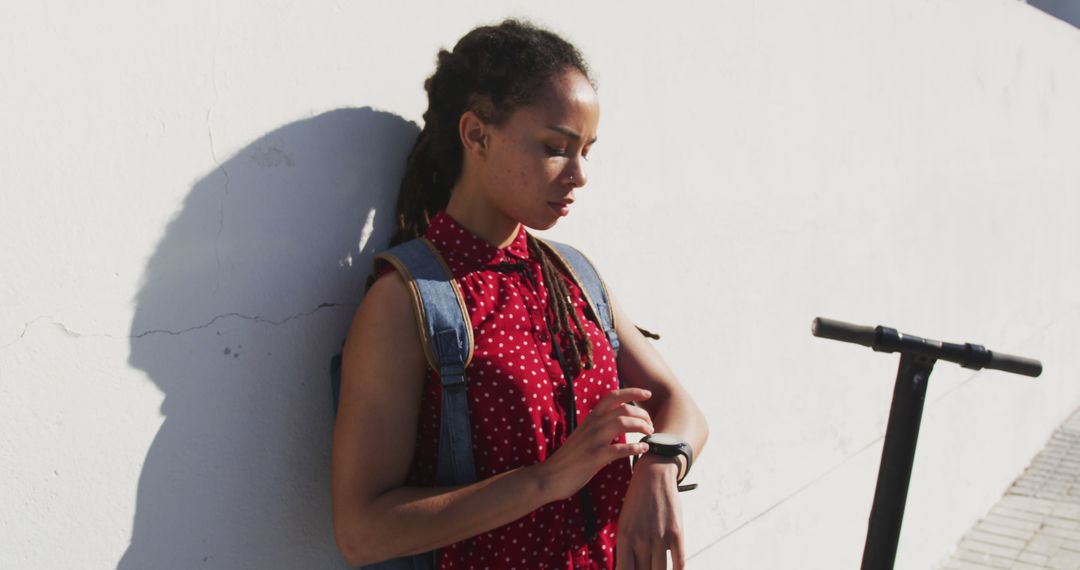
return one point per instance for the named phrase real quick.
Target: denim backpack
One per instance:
(448, 345)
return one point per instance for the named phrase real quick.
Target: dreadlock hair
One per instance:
(491, 71)
(560, 307)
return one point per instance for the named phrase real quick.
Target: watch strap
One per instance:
(682, 448)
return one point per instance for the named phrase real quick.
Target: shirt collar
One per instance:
(462, 248)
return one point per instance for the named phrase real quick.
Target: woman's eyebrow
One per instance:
(569, 132)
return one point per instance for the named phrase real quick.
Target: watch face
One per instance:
(664, 439)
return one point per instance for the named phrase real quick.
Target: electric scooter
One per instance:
(917, 358)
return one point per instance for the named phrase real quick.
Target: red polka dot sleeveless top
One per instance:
(517, 400)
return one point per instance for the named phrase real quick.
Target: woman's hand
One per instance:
(589, 447)
(650, 523)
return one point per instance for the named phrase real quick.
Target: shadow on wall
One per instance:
(1066, 10)
(247, 296)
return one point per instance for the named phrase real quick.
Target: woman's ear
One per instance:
(474, 133)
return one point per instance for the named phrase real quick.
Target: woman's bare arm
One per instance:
(650, 523)
(672, 408)
(375, 516)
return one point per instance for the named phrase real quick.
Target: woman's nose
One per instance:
(575, 174)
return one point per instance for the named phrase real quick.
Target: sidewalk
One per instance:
(1036, 525)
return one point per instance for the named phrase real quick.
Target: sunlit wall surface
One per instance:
(192, 195)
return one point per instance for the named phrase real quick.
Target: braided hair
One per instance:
(491, 71)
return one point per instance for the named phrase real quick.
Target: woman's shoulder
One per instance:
(388, 287)
(384, 324)
(387, 304)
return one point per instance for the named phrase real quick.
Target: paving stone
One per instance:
(989, 527)
(1040, 506)
(1012, 522)
(1061, 533)
(1054, 489)
(1071, 545)
(1012, 512)
(1064, 560)
(1044, 544)
(1033, 558)
(1058, 522)
(977, 535)
(957, 564)
(989, 548)
(983, 558)
(1036, 525)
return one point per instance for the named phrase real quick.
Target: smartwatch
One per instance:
(669, 445)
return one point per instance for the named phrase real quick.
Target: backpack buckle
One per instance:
(452, 376)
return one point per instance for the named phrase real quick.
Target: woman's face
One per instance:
(537, 156)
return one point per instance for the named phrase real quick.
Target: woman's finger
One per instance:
(678, 552)
(628, 410)
(641, 557)
(621, 450)
(623, 425)
(617, 414)
(617, 397)
(658, 557)
(624, 555)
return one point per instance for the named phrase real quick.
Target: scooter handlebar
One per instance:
(846, 332)
(1014, 364)
(888, 340)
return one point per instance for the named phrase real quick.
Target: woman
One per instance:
(512, 116)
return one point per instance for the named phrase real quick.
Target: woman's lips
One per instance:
(561, 208)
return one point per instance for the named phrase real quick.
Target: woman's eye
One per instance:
(552, 151)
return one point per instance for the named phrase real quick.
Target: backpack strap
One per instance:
(446, 332)
(592, 286)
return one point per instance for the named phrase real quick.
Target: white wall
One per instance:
(192, 195)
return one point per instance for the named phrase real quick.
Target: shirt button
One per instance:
(544, 337)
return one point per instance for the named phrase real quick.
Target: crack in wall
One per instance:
(255, 318)
(55, 323)
(76, 334)
(25, 328)
(217, 163)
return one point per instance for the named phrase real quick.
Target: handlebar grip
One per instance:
(1014, 364)
(847, 332)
